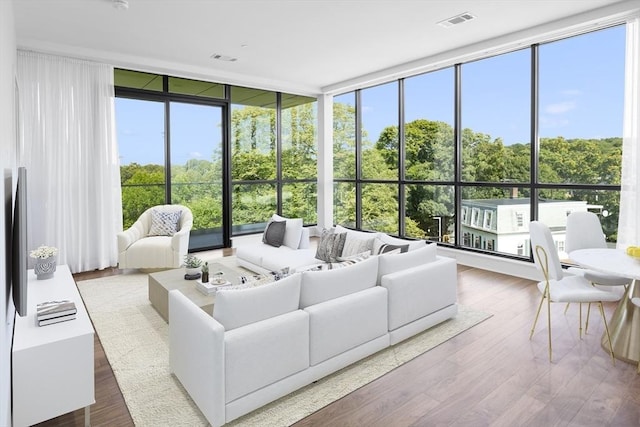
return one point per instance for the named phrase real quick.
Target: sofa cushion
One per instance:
(285, 257)
(384, 238)
(262, 353)
(386, 248)
(344, 323)
(293, 232)
(390, 263)
(355, 246)
(330, 246)
(274, 233)
(164, 223)
(354, 234)
(320, 286)
(238, 307)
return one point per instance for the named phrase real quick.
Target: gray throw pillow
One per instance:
(392, 249)
(330, 246)
(164, 223)
(274, 233)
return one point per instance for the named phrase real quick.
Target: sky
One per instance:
(581, 88)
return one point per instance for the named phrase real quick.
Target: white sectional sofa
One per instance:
(264, 342)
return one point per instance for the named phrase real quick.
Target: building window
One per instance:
(519, 219)
(488, 219)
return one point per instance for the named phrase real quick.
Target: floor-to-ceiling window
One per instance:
(233, 155)
(475, 151)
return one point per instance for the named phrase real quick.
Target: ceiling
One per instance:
(298, 46)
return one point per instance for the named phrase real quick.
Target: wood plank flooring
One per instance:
(490, 375)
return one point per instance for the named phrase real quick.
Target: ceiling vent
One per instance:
(455, 20)
(221, 57)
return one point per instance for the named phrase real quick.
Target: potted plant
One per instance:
(205, 272)
(192, 264)
(45, 257)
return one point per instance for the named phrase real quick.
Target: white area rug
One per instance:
(135, 340)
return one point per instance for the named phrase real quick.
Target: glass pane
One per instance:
(196, 87)
(380, 132)
(496, 117)
(253, 205)
(380, 208)
(196, 169)
(581, 108)
(140, 128)
(429, 122)
(495, 219)
(344, 203)
(299, 200)
(253, 134)
(430, 212)
(344, 136)
(137, 80)
(299, 139)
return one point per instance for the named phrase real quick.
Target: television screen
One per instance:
(19, 251)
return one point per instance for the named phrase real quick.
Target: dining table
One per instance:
(624, 326)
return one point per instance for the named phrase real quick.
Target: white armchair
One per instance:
(136, 249)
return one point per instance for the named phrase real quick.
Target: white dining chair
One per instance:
(584, 231)
(559, 287)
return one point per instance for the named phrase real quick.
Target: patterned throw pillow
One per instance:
(342, 262)
(164, 223)
(274, 233)
(354, 246)
(330, 246)
(392, 249)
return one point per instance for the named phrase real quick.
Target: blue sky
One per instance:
(581, 96)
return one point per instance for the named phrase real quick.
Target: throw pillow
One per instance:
(293, 232)
(274, 233)
(354, 246)
(392, 249)
(164, 223)
(330, 246)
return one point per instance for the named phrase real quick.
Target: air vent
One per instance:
(221, 57)
(455, 20)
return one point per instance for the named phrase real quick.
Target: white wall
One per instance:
(7, 166)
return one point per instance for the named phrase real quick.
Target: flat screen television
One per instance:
(19, 251)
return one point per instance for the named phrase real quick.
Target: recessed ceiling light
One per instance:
(455, 20)
(221, 57)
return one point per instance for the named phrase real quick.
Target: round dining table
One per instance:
(624, 326)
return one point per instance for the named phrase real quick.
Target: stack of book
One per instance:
(55, 311)
(210, 288)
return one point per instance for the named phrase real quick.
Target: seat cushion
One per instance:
(576, 289)
(238, 307)
(149, 252)
(320, 286)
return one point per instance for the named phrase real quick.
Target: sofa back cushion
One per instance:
(293, 231)
(386, 239)
(238, 307)
(320, 286)
(390, 263)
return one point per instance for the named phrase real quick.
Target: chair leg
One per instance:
(606, 328)
(535, 321)
(580, 320)
(586, 325)
(549, 323)
(567, 308)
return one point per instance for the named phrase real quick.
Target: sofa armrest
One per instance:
(129, 236)
(196, 355)
(180, 240)
(421, 290)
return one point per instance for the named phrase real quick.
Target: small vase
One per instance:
(45, 267)
(205, 277)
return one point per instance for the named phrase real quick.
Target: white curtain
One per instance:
(69, 148)
(629, 222)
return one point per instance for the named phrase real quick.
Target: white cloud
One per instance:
(195, 155)
(560, 107)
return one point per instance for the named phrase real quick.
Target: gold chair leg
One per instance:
(535, 321)
(586, 325)
(580, 320)
(567, 308)
(549, 324)
(606, 328)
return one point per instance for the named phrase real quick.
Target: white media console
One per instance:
(53, 365)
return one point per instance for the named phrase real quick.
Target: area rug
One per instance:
(135, 340)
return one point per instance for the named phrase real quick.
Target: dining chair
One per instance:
(560, 287)
(584, 231)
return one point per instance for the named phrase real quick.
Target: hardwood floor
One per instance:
(489, 375)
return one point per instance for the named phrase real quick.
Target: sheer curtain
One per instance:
(629, 222)
(70, 151)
